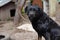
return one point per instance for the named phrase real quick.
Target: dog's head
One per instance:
(33, 12)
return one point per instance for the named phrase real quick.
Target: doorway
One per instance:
(12, 12)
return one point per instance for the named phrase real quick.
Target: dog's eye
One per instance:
(32, 9)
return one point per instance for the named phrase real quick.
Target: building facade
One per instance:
(7, 10)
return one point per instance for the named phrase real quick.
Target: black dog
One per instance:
(42, 23)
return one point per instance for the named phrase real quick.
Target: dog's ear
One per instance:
(26, 8)
(40, 11)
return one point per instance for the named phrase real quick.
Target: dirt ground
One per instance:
(9, 30)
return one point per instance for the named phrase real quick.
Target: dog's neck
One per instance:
(40, 17)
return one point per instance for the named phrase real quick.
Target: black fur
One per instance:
(42, 23)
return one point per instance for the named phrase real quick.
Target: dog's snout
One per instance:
(30, 15)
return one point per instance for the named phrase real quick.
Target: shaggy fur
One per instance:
(42, 23)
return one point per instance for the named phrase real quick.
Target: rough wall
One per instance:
(5, 11)
(58, 12)
(52, 7)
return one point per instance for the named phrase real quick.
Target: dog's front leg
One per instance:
(47, 36)
(39, 37)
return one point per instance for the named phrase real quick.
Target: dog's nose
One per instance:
(32, 14)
